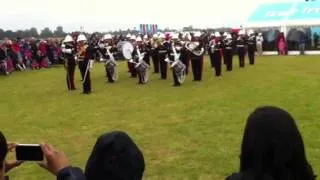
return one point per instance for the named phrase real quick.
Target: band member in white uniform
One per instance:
(259, 44)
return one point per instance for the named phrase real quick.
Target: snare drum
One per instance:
(142, 66)
(178, 66)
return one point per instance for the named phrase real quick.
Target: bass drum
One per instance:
(126, 48)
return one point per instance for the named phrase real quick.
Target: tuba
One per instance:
(193, 47)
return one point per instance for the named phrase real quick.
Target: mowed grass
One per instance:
(191, 132)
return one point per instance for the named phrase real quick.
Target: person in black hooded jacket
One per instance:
(115, 157)
(272, 148)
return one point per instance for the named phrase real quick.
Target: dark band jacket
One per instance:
(69, 52)
(228, 44)
(251, 41)
(135, 53)
(162, 49)
(241, 42)
(218, 45)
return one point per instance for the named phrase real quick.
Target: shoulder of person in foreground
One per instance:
(70, 173)
(248, 176)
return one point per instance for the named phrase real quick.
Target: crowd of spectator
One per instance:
(28, 54)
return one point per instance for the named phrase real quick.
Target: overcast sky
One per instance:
(104, 15)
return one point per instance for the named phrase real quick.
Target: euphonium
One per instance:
(212, 45)
(193, 47)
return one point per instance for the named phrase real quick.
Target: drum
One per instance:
(110, 64)
(180, 70)
(142, 66)
(178, 66)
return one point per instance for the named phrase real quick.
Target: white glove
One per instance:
(101, 45)
(91, 62)
(69, 51)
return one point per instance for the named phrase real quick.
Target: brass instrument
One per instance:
(82, 51)
(212, 45)
(251, 38)
(193, 47)
(155, 43)
(228, 42)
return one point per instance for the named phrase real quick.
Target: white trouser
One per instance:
(259, 48)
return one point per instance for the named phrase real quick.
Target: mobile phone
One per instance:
(29, 152)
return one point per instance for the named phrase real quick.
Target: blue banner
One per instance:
(270, 12)
(286, 11)
(306, 10)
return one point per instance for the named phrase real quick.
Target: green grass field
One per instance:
(188, 133)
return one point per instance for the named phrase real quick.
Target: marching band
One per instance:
(172, 50)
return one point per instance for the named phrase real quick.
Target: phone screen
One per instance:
(29, 152)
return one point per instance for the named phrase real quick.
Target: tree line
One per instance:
(33, 32)
(60, 33)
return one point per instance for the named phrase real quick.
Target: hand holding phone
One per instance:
(8, 165)
(56, 160)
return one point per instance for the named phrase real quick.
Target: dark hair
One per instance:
(3, 149)
(115, 156)
(272, 145)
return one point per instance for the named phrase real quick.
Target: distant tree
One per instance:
(2, 35)
(20, 34)
(59, 32)
(27, 33)
(10, 34)
(34, 32)
(188, 28)
(46, 32)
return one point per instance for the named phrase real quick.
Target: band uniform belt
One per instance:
(240, 45)
(228, 47)
(162, 51)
